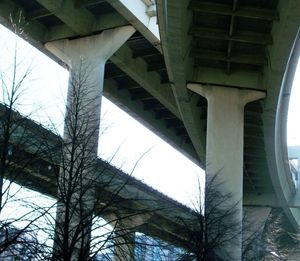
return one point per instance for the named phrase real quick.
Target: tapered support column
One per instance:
(254, 223)
(224, 145)
(86, 58)
(124, 225)
(124, 243)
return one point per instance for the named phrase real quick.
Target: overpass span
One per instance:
(148, 210)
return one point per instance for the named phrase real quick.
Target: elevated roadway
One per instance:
(34, 161)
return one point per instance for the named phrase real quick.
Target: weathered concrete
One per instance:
(124, 241)
(86, 58)
(224, 145)
(253, 227)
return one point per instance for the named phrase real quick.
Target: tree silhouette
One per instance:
(214, 225)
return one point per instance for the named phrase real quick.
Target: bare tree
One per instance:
(87, 187)
(20, 213)
(15, 134)
(214, 225)
(73, 172)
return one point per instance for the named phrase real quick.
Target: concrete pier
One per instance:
(86, 58)
(224, 146)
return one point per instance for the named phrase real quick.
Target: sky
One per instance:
(161, 166)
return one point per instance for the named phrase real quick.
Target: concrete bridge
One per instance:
(212, 77)
(146, 209)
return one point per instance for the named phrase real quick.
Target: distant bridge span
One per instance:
(148, 210)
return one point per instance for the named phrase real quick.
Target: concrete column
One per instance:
(86, 58)
(224, 145)
(253, 226)
(124, 243)
(125, 225)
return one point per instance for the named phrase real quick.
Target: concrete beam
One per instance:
(221, 9)
(80, 20)
(135, 11)
(221, 56)
(239, 36)
(174, 25)
(14, 17)
(104, 22)
(137, 70)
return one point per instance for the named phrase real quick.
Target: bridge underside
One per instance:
(223, 43)
(233, 44)
(244, 45)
